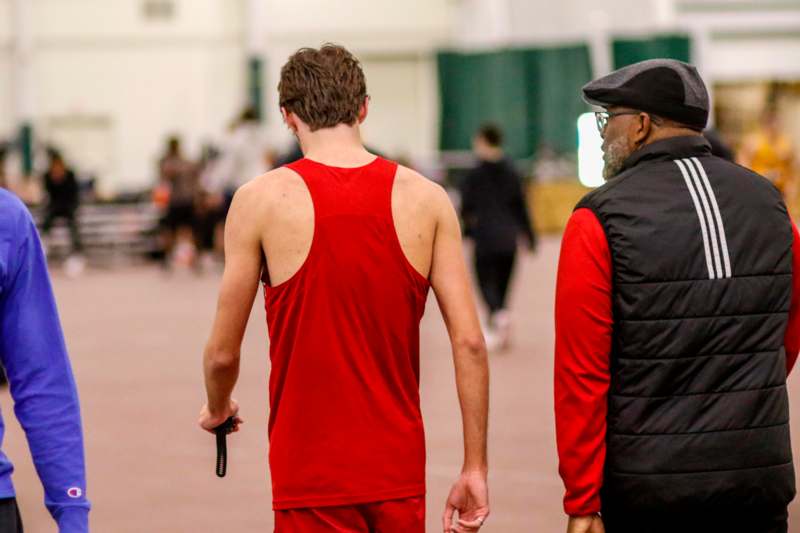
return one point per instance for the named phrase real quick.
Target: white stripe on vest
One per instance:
(688, 180)
(705, 203)
(718, 216)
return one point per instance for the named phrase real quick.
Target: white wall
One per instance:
(143, 95)
(401, 109)
(6, 95)
(6, 119)
(104, 73)
(757, 57)
(567, 20)
(374, 24)
(521, 22)
(742, 45)
(109, 85)
(87, 20)
(502, 23)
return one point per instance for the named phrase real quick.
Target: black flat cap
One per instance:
(665, 87)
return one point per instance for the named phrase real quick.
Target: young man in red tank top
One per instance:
(347, 245)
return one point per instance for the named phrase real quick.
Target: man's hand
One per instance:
(208, 420)
(585, 524)
(470, 497)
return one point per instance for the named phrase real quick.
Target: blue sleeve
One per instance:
(40, 376)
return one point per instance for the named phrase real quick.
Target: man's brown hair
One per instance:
(324, 87)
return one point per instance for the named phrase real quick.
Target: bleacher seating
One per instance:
(111, 233)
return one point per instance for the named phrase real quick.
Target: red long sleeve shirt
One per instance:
(584, 323)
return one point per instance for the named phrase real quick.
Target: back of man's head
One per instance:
(491, 134)
(173, 146)
(324, 87)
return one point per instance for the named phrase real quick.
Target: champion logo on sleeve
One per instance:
(74, 492)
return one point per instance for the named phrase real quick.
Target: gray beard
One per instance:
(614, 157)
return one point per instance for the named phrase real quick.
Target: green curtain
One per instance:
(554, 78)
(628, 51)
(482, 87)
(255, 73)
(533, 94)
(26, 147)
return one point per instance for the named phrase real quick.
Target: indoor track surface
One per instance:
(136, 336)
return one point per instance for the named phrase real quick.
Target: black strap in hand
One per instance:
(222, 431)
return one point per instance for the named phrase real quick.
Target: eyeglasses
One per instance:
(602, 118)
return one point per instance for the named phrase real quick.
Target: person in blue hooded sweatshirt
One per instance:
(34, 354)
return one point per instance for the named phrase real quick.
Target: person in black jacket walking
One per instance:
(677, 322)
(496, 218)
(63, 199)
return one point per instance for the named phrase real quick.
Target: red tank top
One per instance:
(345, 425)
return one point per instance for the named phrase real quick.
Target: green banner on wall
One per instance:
(25, 143)
(478, 88)
(629, 51)
(554, 79)
(255, 69)
(533, 94)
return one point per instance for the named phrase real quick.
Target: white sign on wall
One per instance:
(590, 155)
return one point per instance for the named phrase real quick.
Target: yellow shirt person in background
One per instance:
(769, 152)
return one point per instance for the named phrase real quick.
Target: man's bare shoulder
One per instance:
(419, 189)
(274, 183)
(276, 186)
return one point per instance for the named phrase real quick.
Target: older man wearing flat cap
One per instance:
(677, 322)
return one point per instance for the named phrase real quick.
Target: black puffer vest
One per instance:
(698, 417)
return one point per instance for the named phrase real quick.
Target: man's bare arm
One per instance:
(243, 263)
(451, 285)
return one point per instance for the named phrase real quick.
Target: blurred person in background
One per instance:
(209, 214)
(33, 352)
(207, 222)
(63, 200)
(347, 245)
(243, 155)
(496, 218)
(179, 176)
(677, 322)
(768, 151)
(3, 178)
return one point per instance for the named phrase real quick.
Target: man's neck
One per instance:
(339, 146)
(494, 155)
(668, 133)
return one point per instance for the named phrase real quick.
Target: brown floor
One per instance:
(136, 336)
